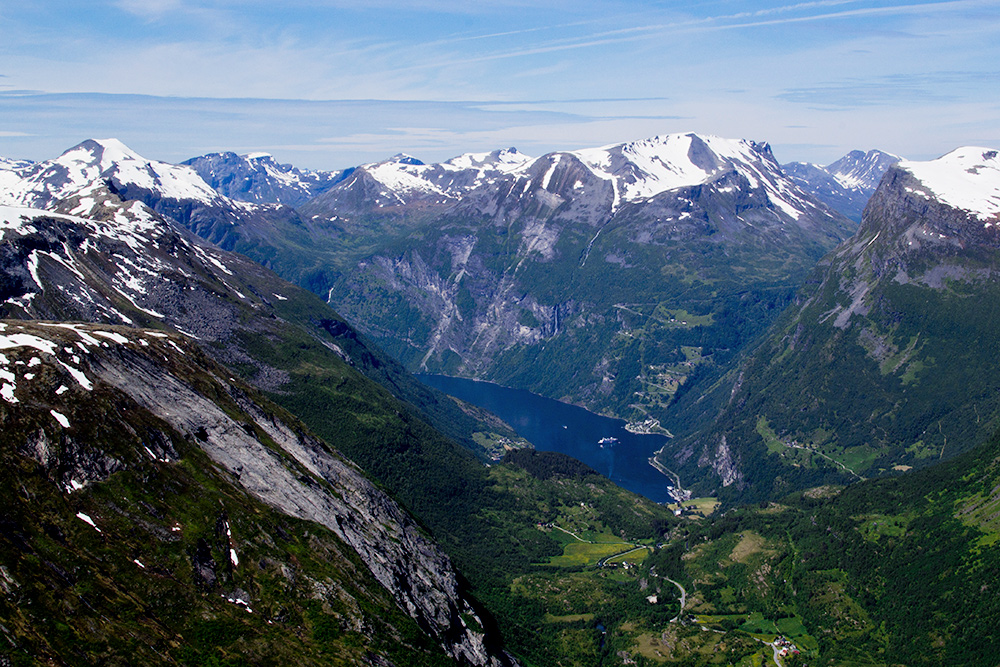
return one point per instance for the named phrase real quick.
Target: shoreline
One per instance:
(679, 493)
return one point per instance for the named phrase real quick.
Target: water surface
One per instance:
(558, 427)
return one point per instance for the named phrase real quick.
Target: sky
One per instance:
(328, 84)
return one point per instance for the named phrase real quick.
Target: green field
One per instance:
(582, 553)
(636, 556)
(703, 506)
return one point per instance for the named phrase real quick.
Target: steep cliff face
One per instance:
(125, 264)
(884, 362)
(60, 380)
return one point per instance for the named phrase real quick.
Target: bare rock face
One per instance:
(273, 459)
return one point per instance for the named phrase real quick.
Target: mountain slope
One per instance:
(580, 275)
(258, 178)
(124, 263)
(883, 572)
(885, 362)
(163, 503)
(847, 184)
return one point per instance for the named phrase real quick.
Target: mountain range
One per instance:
(205, 464)
(655, 256)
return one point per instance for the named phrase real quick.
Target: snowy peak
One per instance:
(403, 158)
(7, 164)
(652, 166)
(967, 178)
(861, 170)
(847, 184)
(505, 160)
(105, 161)
(636, 171)
(402, 177)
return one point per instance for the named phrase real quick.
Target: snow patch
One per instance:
(967, 178)
(111, 335)
(86, 519)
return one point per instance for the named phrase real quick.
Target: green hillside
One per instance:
(884, 363)
(884, 572)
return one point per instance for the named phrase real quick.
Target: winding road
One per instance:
(683, 599)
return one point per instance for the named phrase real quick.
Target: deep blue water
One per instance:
(558, 427)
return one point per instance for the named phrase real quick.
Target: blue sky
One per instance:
(327, 84)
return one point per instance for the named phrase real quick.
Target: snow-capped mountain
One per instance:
(844, 185)
(106, 161)
(643, 169)
(862, 170)
(904, 313)
(635, 171)
(176, 191)
(258, 178)
(403, 180)
(967, 178)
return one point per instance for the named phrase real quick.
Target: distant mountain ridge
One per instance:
(846, 184)
(258, 178)
(903, 314)
(635, 170)
(175, 191)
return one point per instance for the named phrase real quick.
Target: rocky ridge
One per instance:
(258, 178)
